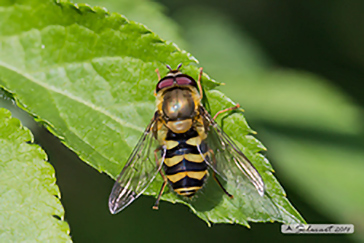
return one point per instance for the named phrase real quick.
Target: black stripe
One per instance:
(183, 148)
(188, 182)
(180, 149)
(203, 147)
(183, 166)
(181, 137)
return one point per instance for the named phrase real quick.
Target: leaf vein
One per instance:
(73, 97)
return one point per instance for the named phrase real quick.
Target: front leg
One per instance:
(225, 110)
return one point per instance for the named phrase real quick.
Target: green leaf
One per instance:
(89, 77)
(28, 201)
(144, 11)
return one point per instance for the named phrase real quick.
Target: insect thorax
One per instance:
(178, 108)
(178, 104)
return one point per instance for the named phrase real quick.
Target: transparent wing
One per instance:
(226, 158)
(139, 171)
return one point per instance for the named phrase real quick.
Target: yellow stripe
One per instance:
(176, 177)
(191, 174)
(181, 190)
(196, 174)
(186, 193)
(171, 144)
(173, 161)
(201, 129)
(196, 141)
(195, 157)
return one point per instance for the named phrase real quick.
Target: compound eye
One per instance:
(165, 83)
(185, 81)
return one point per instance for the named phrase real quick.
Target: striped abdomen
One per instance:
(184, 165)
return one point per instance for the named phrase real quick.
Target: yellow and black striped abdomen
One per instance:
(184, 165)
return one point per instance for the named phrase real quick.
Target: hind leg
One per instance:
(215, 177)
(156, 204)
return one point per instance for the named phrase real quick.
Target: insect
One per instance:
(182, 143)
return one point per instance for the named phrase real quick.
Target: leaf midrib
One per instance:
(72, 97)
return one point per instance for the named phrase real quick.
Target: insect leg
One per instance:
(225, 110)
(159, 75)
(219, 183)
(215, 177)
(159, 78)
(156, 204)
(199, 82)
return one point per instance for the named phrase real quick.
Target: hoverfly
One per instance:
(181, 143)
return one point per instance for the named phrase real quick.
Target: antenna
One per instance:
(171, 70)
(169, 67)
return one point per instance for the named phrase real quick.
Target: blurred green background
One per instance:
(297, 68)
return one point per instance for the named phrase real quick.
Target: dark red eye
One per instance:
(185, 80)
(181, 79)
(164, 83)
